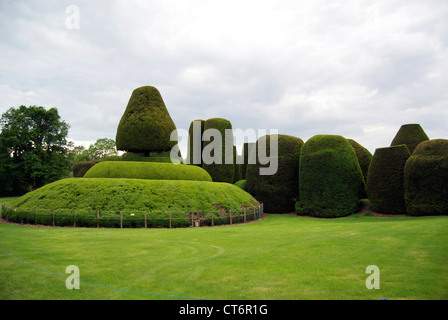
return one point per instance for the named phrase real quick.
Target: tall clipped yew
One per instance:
(330, 178)
(410, 135)
(219, 169)
(426, 179)
(278, 192)
(146, 125)
(385, 180)
(195, 133)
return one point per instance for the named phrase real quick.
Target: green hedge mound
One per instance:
(147, 170)
(385, 180)
(146, 125)
(426, 179)
(331, 183)
(410, 135)
(135, 195)
(280, 191)
(220, 172)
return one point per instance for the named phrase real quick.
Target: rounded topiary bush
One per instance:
(385, 180)
(80, 168)
(330, 178)
(426, 179)
(241, 184)
(147, 170)
(410, 135)
(279, 191)
(220, 172)
(364, 157)
(146, 125)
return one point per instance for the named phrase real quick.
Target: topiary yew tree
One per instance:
(195, 142)
(279, 191)
(331, 183)
(385, 180)
(220, 172)
(410, 135)
(364, 158)
(146, 125)
(426, 179)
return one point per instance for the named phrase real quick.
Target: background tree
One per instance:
(33, 148)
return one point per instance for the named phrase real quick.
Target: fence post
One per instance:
(121, 219)
(230, 216)
(213, 223)
(244, 212)
(21, 216)
(145, 221)
(74, 220)
(97, 218)
(170, 219)
(53, 217)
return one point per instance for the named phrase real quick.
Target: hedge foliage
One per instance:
(219, 172)
(280, 191)
(80, 168)
(426, 179)
(195, 141)
(385, 180)
(241, 184)
(146, 125)
(136, 195)
(147, 170)
(364, 157)
(247, 148)
(330, 178)
(410, 135)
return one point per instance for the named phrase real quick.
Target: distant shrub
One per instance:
(80, 168)
(410, 135)
(147, 170)
(241, 184)
(330, 178)
(426, 179)
(277, 192)
(385, 180)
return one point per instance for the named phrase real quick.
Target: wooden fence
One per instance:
(129, 219)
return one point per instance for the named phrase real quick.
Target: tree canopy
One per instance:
(33, 148)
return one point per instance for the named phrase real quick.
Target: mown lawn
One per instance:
(282, 257)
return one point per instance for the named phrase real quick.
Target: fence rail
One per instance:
(129, 219)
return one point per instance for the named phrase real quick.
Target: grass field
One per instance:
(282, 257)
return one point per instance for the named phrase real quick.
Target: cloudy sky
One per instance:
(359, 69)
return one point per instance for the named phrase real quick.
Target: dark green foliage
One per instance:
(219, 172)
(385, 180)
(426, 179)
(364, 157)
(277, 192)
(241, 184)
(33, 148)
(135, 194)
(237, 175)
(147, 170)
(247, 148)
(195, 141)
(146, 125)
(330, 178)
(410, 135)
(80, 168)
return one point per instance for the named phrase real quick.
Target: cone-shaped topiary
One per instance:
(410, 135)
(219, 169)
(195, 133)
(146, 125)
(330, 178)
(385, 180)
(278, 192)
(426, 179)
